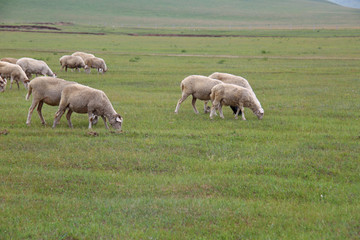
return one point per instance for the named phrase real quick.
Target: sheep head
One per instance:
(2, 84)
(116, 121)
(259, 113)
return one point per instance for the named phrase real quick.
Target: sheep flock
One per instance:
(222, 89)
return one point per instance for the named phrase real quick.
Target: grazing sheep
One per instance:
(45, 90)
(199, 87)
(33, 66)
(232, 79)
(69, 61)
(2, 84)
(82, 99)
(14, 72)
(9, 60)
(233, 95)
(95, 62)
(83, 55)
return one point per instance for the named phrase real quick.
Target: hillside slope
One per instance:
(183, 13)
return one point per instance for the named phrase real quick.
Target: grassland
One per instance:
(184, 13)
(292, 175)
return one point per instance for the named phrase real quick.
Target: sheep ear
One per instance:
(119, 119)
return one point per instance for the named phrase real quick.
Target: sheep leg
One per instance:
(220, 111)
(11, 81)
(104, 119)
(31, 109)
(237, 113)
(68, 116)
(58, 115)
(17, 83)
(65, 68)
(213, 109)
(193, 105)
(183, 97)
(40, 114)
(242, 113)
(234, 109)
(206, 108)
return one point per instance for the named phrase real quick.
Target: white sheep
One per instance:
(13, 72)
(232, 79)
(33, 66)
(2, 84)
(45, 90)
(69, 61)
(95, 62)
(199, 87)
(233, 95)
(9, 60)
(83, 55)
(82, 99)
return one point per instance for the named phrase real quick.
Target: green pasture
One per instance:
(292, 175)
(183, 13)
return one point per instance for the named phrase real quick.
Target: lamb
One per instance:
(14, 72)
(95, 62)
(2, 84)
(68, 61)
(199, 87)
(82, 99)
(33, 66)
(45, 90)
(83, 55)
(9, 60)
(232, 79)
(233, 95)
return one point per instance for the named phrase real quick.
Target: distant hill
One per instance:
(347, 3)
(184, 13)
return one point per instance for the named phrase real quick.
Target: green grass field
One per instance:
(183, 13)
(292, 175)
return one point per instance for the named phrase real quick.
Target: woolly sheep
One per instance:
(232, 79)
(69, 61)
(9, 60)
(197, 86)
(2, 84)
(14, 72)
(233, 95)
(45, 90)
(82, 99)
(95, 62)
(33, 66)
(83, 55)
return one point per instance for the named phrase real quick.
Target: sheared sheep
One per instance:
(33, 66)
(199, 87)
(14, 72)
(83, 55)
(95, 62)
(82, 99)
(2, 84)
(233, 95)
(45, 90)
(9, 60)
(232, 79)
(69, 61)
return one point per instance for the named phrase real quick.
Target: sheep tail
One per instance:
(182, 86)
(29, 93)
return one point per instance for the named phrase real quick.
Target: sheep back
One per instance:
(9, 60)
(48, 89)
(231, 79)
(199, 86)
(83, 55)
